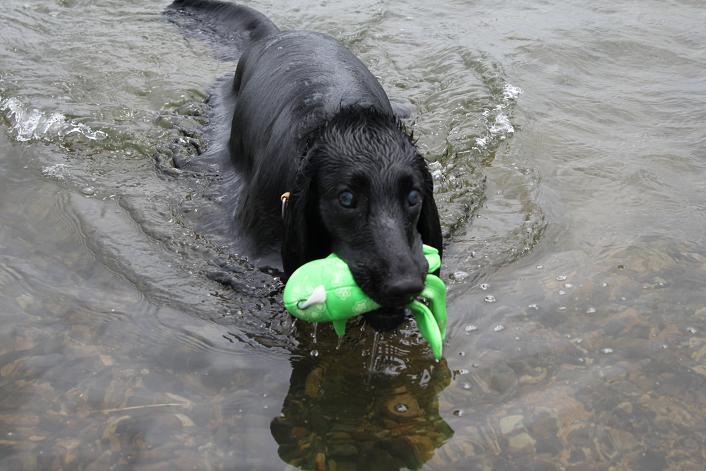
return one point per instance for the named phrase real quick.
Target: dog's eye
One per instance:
(347, 199)
(413, 198)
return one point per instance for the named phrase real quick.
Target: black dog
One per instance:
(313, 123)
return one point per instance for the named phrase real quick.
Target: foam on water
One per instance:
(29, 124)
(497, 121)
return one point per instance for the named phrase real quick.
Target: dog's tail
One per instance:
(228, 28)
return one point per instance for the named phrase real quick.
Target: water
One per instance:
(567, 144)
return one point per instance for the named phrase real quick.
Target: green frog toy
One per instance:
(324, 290)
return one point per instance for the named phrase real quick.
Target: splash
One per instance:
(29, 124)
(498, 124)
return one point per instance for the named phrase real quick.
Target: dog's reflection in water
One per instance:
(349, 408)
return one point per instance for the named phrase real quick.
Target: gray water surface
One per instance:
(567, 144)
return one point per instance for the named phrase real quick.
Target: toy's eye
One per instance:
(346, 199)
(414, 198)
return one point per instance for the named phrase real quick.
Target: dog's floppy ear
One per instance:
(305, 237)
(428, 225)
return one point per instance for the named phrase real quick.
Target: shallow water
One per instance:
(567, 144)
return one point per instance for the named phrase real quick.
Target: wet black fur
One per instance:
(310, 119)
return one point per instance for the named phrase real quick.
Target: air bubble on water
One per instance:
(561, 278)
(568, 285)
(466, 386)
(470, 328)
(604, 284)
(484, 286)
(539, 267)
(591, 310)
(463, 371)
(562, 308)
(562, 292)
(607, 351)
(533, 306)
(462, 354)
(401, 408)
(88, 191)
(691, 330)
(489, 299)
(498, 328)
(458, 412)
(314, 353)
(459, 275)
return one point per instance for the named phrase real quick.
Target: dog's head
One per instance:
(364, 192)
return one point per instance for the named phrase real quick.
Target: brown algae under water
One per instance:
(567, 148)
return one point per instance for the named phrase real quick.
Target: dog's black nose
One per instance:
(400, 291)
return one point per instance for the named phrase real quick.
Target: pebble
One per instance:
(470, 328)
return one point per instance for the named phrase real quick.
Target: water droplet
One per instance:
(314, 353)
(470, 328)
(607, 351)
(591, 310)
(498, 328)
(561, 277)
(691, 330)
(458, 412)
(466, 386)
(484, 286)
(533, 306)
(489, 299)
(401, 408)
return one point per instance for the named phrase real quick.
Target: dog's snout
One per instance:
(402, 290)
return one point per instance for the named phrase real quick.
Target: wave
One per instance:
(30, 124)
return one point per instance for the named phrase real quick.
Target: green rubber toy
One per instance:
(324, 290)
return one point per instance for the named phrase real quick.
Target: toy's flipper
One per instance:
(432, 255)
(340, 327)
(435, 292)
(428, 327)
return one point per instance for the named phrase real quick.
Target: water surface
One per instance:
(566, 140)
